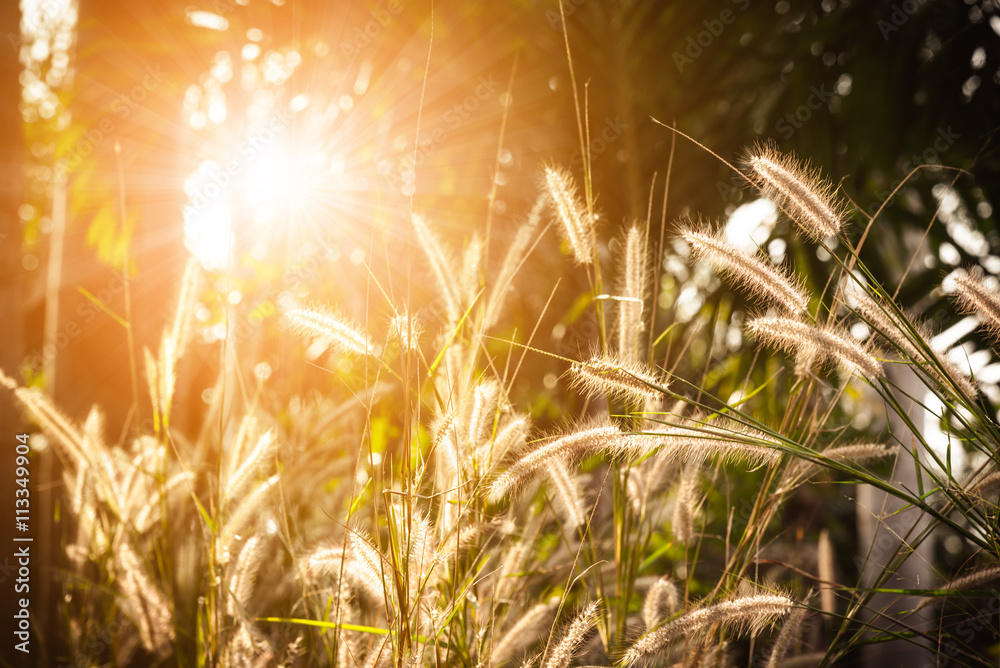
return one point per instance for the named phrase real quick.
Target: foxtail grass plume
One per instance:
(372, 569)
(246, 649)
(575, 221)
(538, 457)
(567, 496)
(405, 329)
(976, 297)
(682, 525)
(975, 579)
(981, 484)
(324, 561)
(855, 453)
(244, 576)
(358, 573)
(696, 443)
(561, 655)
(333, 330)
(150, 511)
(630, 381)
(514, 560)
(517, 251)
(635, 488)
(421, 553)
(800, 191)
(470, 280)
(483, 412)
(815, 343)
(52, 421)
(786, 638)
(442, 267)
(898, 330)
(509, 435)
(631, 293)
(758, 276)
(528, 629)
(243, 514)
(662, 600)
(144, 602)
(242, 472)
(747, 613)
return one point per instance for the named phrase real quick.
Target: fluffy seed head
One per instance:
(575, 222)
(786, 638)
(517, 251)
(631, 292)
(751, 613)
(630, 381)
(332, 330)
(817, 344)
(980, 485)
(897, 328)
(51, 420)
(806, 197)
(244, 577)
(566, 495)
(698, 442)
(538, 456)
(662, 599)
(441, 266)
(682, 525)
(975, 579)
(562, 654)
(976, 297)
(758, 276)
(528, 629)
(405, 329)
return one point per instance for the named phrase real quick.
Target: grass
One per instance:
(425, 521)
(420, 512)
